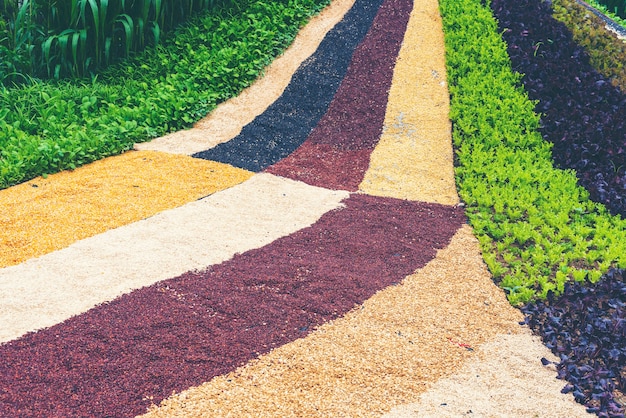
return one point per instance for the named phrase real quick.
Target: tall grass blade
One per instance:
(127, 25)
(107, 50)
(101, 31)
(105, 28)
(143, 23)
(20, 31)
(156, 32)
(75, 12)
(97, 29)
(75, 45)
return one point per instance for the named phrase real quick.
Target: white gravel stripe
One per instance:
(506, 380)
(47, 290)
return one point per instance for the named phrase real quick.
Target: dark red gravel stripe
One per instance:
(286, 124)
(336, 154)
(324, 165)
(118, 358)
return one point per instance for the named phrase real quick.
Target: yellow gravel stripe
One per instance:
(414, 158)
(383, 354)
(44, 215)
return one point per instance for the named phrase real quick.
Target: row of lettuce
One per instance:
(46, 127)
(537, 227)
(542, 236)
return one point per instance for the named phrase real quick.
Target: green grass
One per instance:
(46, 127)
(537, 228)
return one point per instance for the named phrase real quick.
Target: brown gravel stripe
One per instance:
(391, 350)
(107, 362)
(336, 153)
(44, 215)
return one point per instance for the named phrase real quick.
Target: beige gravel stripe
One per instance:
(414, 158)
(383, 354)
(44, 215)
(44, 291)
(227, 120)
(498, 382)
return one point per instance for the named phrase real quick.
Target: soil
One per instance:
(291, 295)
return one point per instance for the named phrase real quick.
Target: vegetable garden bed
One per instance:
(539, 227)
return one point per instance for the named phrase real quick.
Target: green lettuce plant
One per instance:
(537, 228)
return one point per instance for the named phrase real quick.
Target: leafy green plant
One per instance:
(46, 127)
(17, 30)
(537, 228)
(78, 38)
(615, 6)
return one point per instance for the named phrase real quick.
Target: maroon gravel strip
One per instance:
(336, 154)
(118, 358)
(326, 166)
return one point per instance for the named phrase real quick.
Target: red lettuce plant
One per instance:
(586, 328)
(583, 114)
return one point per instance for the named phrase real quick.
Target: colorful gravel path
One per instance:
(315, 262)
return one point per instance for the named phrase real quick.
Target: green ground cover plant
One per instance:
(606, 51)
(536, 226)
(46, 127)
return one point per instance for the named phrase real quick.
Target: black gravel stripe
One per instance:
(286, 124)
(337, 153)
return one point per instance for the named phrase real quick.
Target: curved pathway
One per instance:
(328, 272)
